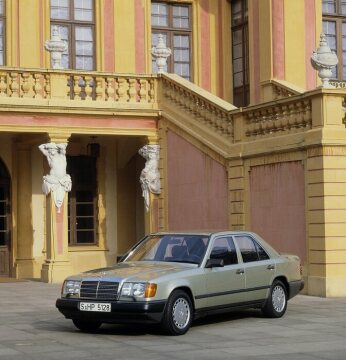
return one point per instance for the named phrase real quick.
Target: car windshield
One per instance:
(171, 248)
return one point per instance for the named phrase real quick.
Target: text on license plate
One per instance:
(102, 307)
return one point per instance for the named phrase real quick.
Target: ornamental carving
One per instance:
(57, 182)
(150, 175)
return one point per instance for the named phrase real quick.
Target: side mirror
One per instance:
(211, 263)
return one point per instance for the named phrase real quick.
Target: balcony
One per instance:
(75, 91)
(297, 119)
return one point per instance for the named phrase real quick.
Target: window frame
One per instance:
(72, 24)
(256, 245)
(339, 19)
(73, 205)
(241, 94)
(170, 31)
(3, 19)
(227, 239)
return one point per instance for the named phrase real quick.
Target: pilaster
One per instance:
(24, 265)
(326, 189)
(163, 204)
(236, 184)
(57, 264)
(101, 198)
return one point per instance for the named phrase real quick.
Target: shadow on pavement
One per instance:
(146, 329)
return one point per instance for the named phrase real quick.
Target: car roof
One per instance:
(203, 232)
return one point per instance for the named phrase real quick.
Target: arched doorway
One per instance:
(5, 220)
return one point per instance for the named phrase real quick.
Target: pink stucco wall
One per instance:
(197, 188)
(40, 122)
(277, 199)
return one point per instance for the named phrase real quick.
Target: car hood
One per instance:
(133, 271)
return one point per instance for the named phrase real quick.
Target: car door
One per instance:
(259, 268)
(225, 285)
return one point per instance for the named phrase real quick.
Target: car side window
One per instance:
(224, 248)
(262, 255)
(250, 250)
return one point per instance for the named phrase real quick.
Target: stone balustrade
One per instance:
(201, 106)
(73, 85)
(277, 119)
(23, 84)
(338, 84)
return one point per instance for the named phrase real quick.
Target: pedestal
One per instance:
(57, 265)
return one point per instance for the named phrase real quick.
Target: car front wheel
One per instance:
(86, 325)
(276, 303)
(177, 317)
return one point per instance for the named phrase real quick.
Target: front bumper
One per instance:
(121, 311)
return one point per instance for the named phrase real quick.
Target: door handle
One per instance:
(240, 272)
(271, 267)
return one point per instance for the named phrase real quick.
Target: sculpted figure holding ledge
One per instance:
(57, 182)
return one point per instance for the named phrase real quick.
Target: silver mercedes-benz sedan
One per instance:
(173, 278)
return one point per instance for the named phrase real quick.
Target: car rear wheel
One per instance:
(86, 325)
(276, 303)
(177, 317)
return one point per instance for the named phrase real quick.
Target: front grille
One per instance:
(99, 290)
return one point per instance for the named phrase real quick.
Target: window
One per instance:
(2, 32)
(75, 21)
(173, 21)
(4, 205)
(224, 248)
(250, 250)
(240, 57)
(82, 204)
(334, 27)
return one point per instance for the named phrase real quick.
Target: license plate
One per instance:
(100, 307)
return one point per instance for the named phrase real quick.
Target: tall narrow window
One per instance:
(75, 20)
(5, 220)
(82, 204)
(334, 27)
(240, 57)
(173, 21)
(2, 32)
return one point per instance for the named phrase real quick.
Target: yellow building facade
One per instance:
(248, 139)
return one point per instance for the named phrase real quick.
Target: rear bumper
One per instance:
(121, 312)
(295, 288)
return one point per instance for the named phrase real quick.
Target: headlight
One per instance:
(70, 288)
(141, 290)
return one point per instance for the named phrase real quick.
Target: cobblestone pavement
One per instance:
(32, 328)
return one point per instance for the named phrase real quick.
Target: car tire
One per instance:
(177, 317)
(86, 325)
(276, 304)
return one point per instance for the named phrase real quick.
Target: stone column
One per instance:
(24, 262)
(56, 185)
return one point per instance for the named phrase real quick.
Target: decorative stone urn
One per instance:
(161, 53)
(56, 47)
(324, 60)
